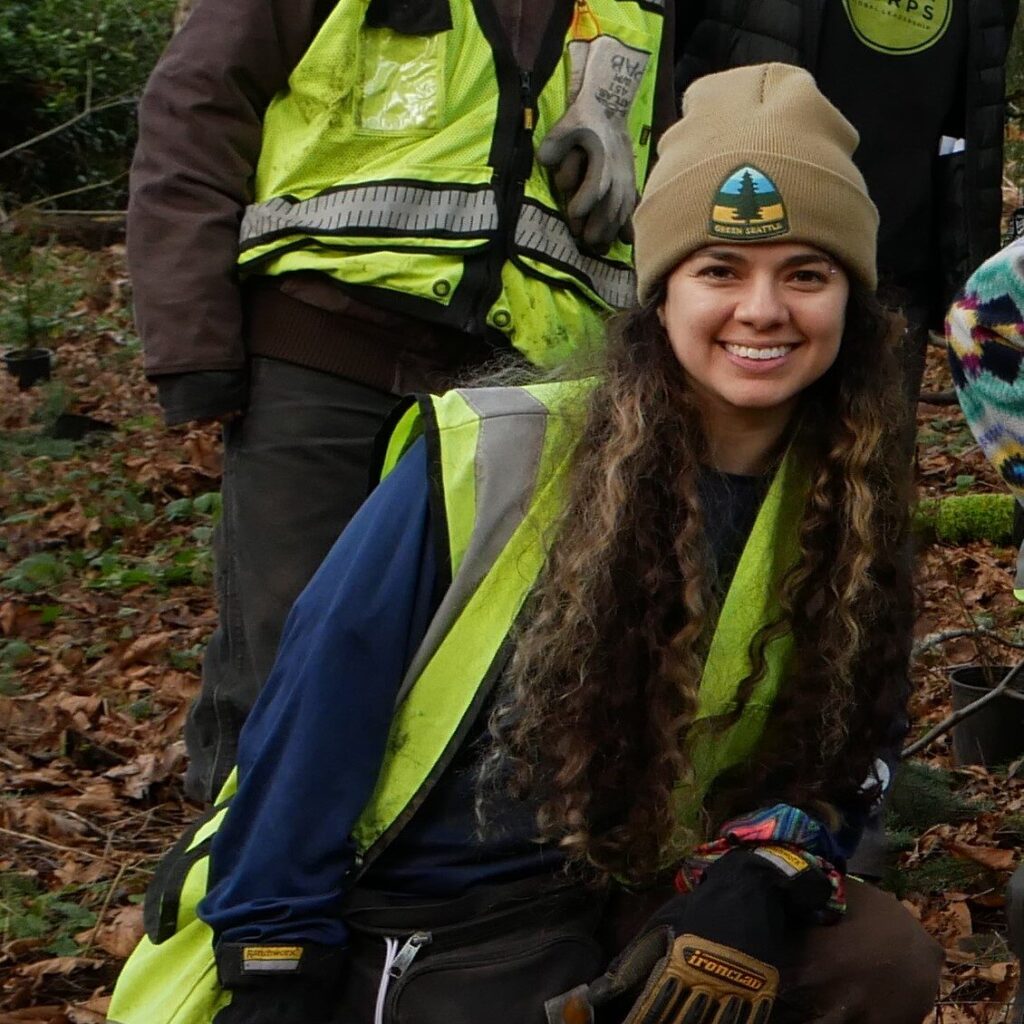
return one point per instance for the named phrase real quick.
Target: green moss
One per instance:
(967, 517)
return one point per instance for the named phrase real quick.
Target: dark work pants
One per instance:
(296, 469)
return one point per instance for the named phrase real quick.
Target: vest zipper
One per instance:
(509, 185)
(526, 99)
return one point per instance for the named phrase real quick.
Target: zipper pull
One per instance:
(405, 956)
(526, 97)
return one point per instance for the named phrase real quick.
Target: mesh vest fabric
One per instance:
(392, 160)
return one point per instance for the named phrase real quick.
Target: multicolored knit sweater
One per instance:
(985, 340)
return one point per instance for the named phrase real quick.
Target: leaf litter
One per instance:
(105, 605)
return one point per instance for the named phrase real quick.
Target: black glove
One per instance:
(202, 395)
(277, 983)
(752, 900)
(710, 956)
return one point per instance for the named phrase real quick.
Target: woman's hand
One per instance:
(711, 956)
(728, 939)
(752, 899)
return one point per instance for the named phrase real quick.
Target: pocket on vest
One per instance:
(402, 90)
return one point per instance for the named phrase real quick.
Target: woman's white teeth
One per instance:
(746, 352)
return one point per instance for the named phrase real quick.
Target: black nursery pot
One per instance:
(994, 734)
(29, 365)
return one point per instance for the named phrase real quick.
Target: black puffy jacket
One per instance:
(730, 33)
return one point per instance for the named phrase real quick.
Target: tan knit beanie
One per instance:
(758, 156)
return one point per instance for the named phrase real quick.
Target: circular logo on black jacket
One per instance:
(899, 26)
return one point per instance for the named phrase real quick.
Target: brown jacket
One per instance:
(200, 125)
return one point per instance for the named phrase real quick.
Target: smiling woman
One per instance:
(752, 327)
(648, 627)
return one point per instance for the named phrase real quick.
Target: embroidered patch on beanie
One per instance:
(748, 206)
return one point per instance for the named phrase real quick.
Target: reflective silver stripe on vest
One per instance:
(505, 471)
(541, 233)
(375, 209)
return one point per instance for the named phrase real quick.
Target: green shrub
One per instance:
(56, 58)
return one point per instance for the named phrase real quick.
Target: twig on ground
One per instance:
(103, 910)
(934, 639)
(965, 712)
(77, 850)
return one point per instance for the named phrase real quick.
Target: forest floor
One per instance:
(105, 604)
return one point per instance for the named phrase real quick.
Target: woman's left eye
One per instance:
(808, 277)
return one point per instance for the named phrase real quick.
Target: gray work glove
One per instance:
(589, 149)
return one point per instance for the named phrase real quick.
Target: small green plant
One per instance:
(188, 659)
(14, 651)
(33, 300)
(940, 873)
(923, 796)
(35, 574)
(28, 912)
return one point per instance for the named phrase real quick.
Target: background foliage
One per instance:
(59, 58)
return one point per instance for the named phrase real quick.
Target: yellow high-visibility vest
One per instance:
(502, 457)
(403, 167)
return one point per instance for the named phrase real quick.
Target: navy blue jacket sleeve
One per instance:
(311, 750)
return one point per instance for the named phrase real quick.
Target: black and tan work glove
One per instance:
(711, 956)
(589, 149)
(278, 983)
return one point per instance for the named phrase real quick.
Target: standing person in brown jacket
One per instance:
(336, 204)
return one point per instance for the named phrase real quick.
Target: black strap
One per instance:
(163, 897)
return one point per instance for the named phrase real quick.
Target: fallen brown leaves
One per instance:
(102, 627)
(97, 666)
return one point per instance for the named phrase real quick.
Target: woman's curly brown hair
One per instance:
(602, 688)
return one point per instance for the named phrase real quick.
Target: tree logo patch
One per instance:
(899, 26)
(748, 206)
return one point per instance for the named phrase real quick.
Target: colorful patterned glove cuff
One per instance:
(788, 838)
